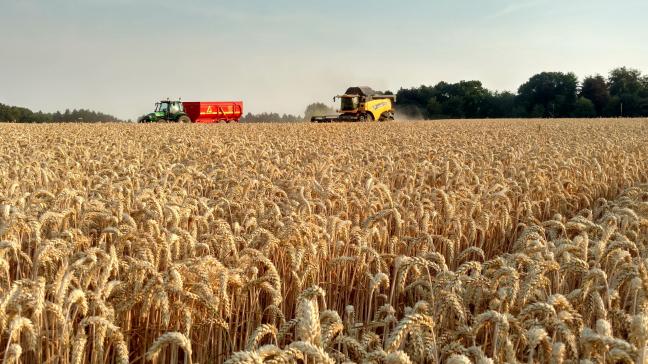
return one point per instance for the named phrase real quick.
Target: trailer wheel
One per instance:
(184, 119)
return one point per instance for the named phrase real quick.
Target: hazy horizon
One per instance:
(119, 57)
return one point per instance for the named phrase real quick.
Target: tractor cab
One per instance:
(169, 107)
(166, 110)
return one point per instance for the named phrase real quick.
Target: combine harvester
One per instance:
(204, 112)
(361, 104)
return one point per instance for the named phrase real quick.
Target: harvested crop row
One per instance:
(165, 241)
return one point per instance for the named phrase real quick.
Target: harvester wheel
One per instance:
(184, 119)
(363, 118)
(387, 117)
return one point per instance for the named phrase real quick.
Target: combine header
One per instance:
(361, 104)
(195, 112)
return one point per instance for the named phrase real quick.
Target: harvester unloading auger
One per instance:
(361, 104)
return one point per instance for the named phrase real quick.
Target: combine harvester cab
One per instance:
(206, 112)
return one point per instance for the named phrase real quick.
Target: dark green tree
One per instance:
(501, 105)
(474, 98)
(629, 91)
(453, 107)
(538, 111)
(595, 89)
(625, 80)
(552, 93)
(434, 108)
(584, 108)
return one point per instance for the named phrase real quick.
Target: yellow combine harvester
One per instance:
(361, 104)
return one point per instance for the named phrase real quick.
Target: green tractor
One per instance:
(166, 111)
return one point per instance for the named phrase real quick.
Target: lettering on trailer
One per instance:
(211, 112)
(378, 106)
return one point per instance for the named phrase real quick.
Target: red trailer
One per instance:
(213, 111)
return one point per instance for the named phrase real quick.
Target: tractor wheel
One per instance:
(184, 119)
(363, 118)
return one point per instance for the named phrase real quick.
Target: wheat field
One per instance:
(440, 242)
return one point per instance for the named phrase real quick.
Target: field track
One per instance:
(423, 242)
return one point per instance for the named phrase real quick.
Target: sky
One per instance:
(120, 56)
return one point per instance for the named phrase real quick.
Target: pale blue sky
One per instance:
(119, 56)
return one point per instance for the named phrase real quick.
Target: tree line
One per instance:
(272, 117)
(18, 114)
(623, 93)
